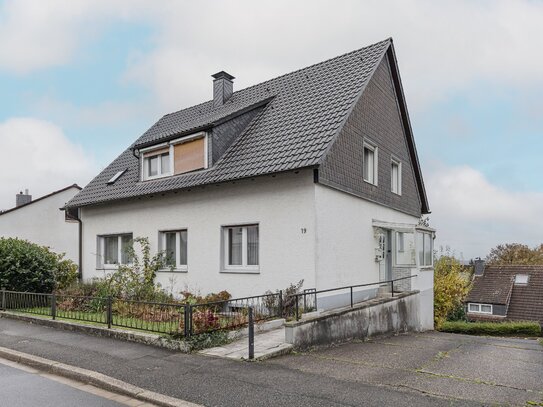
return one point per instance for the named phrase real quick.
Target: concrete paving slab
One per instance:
(266, 345)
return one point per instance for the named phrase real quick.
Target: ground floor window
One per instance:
(425, 248)
(174, 244)
(114, 249)
(480, 308)
(241, 247)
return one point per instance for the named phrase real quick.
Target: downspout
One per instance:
(80, 249)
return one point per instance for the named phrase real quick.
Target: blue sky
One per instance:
(85, 78)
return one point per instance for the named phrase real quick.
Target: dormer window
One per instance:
(176, 157)
(157, 163)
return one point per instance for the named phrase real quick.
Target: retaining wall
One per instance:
(379, 316)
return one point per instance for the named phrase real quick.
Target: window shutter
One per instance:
(189, 156)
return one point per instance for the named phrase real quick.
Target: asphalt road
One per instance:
(23, 389)
(430, 369)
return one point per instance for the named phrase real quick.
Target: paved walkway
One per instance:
(267, 345)
(431, 369)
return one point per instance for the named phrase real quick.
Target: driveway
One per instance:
(486, 370)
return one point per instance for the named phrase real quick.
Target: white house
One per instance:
(43, 221)
(313, 175)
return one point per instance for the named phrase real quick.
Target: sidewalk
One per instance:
(203, 379)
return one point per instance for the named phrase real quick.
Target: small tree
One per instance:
(26, 266)
(136, 281)
(450, 287)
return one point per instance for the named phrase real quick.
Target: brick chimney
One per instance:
(21, 199)
(223, 87)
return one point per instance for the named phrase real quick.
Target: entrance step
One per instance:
(267, 345)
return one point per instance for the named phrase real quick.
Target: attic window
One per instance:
(157, 163)
(116, 177)
(370, 163)
(521, 279)
(179, 156)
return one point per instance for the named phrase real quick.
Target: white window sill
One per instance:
(369, 182)
(241, 270)
(174, 270)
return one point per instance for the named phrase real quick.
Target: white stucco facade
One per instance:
(306, 231)
(282, 206)
(42, 222)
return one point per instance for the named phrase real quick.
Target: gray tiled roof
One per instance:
(306, 111)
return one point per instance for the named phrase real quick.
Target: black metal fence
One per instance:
(307, 300)
(178, 318)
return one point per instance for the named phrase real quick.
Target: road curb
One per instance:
(97, 379)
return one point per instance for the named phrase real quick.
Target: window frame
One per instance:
(372, 147)
(423, 233)
(102, 250)
(395, 162)
(147, 154)
(225, 240)
(480, 308)
(522, 283)
(162, 244)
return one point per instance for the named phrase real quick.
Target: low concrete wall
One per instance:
(378, 316)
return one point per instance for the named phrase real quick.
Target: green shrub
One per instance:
(509, 328)
(25, 266)
(66, 273)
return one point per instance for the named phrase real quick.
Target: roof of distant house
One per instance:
(40, 199)
(497, 286)
(302, 113)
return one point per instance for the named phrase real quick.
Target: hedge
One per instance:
(25, 266)
(509, 328)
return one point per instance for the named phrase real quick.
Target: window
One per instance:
(174, 244)
(396, 177)
(370, 163)
(521, 279)
(241, 247)
(156, 164)
(113, 249)
(190, 155)
(480, 308)
(179, 156)
(425, 249)
(405, 249)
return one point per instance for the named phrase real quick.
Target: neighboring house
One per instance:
(44, 221)
(313, 175)
(512, 292)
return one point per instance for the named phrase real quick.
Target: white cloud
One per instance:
(472, 215)
(442, 46)
(38, 156)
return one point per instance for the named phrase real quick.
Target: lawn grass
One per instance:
(99, 319)
(509, 328)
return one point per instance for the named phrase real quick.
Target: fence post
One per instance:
(191, 330)
(351, 296)
(392, 284)
(280, 303)
(186, 320)
(3, 299)
(251, 334)
(109, 312)
(54, 306)
(297, 316)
